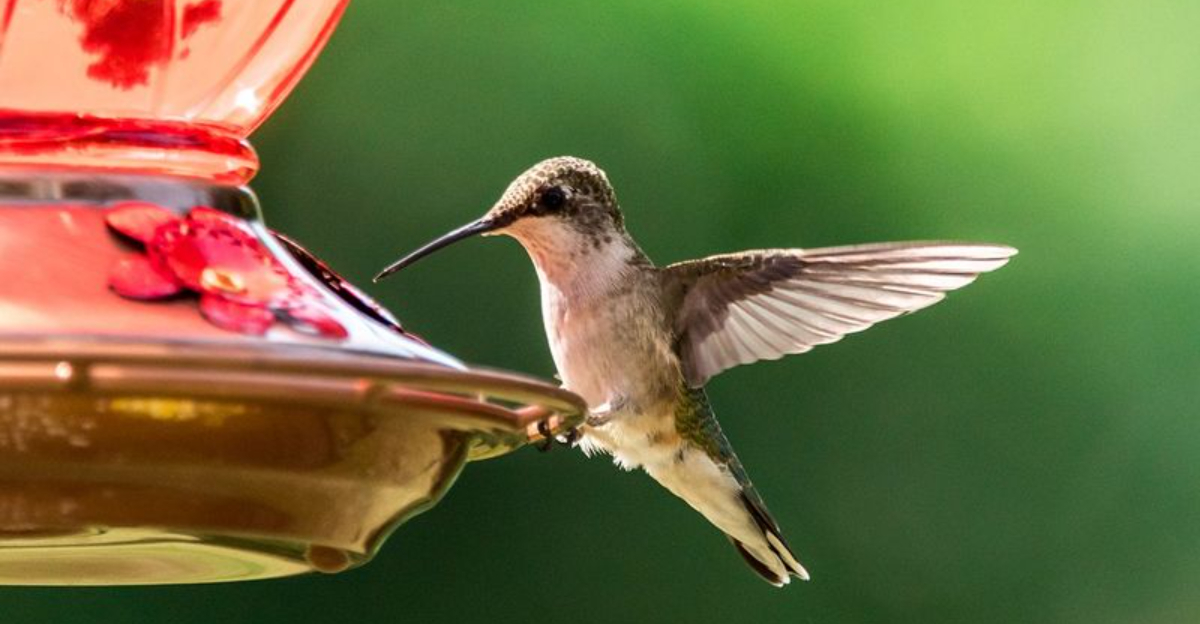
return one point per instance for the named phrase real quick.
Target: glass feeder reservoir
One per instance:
(186, 395)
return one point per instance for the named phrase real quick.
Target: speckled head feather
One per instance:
(565, 186)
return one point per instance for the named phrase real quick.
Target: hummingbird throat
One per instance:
(578, 260)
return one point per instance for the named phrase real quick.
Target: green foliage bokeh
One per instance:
(1027, 451)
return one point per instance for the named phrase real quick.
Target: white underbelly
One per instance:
(646, 438)
(603, 370)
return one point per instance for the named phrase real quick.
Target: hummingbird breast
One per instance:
(612, 344)
(609, 334)
(611, 347)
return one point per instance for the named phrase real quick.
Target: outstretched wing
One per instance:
(762, 305)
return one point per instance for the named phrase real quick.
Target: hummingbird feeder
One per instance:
(186, 395)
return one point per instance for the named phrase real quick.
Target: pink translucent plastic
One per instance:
(157, 86)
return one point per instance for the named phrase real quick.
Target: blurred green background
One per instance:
(1028, 451)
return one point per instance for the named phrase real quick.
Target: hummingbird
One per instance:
(638, 342)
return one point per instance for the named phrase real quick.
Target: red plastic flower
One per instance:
(242, 287)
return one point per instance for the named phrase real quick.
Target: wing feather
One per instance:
(761, 305)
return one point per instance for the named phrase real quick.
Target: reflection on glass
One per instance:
(160, 86)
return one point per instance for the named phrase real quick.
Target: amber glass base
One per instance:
(141, 464)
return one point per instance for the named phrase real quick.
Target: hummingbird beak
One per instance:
(479, 226)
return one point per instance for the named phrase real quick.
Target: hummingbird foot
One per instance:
(604, 412)
(568, 438)
(598, 420)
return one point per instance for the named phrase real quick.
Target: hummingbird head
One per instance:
(562, 207)
(562, 191)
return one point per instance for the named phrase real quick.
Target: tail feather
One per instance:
(721, 492)
(705, 472)
(759, 567)
(774, 537)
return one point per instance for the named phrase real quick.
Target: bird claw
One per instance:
(603, 413)
(568, 438)
(547, 442)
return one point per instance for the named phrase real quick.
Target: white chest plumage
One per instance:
(609, 348)
(576, 344)
(587, 344)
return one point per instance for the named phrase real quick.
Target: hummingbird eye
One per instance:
(553, 198)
